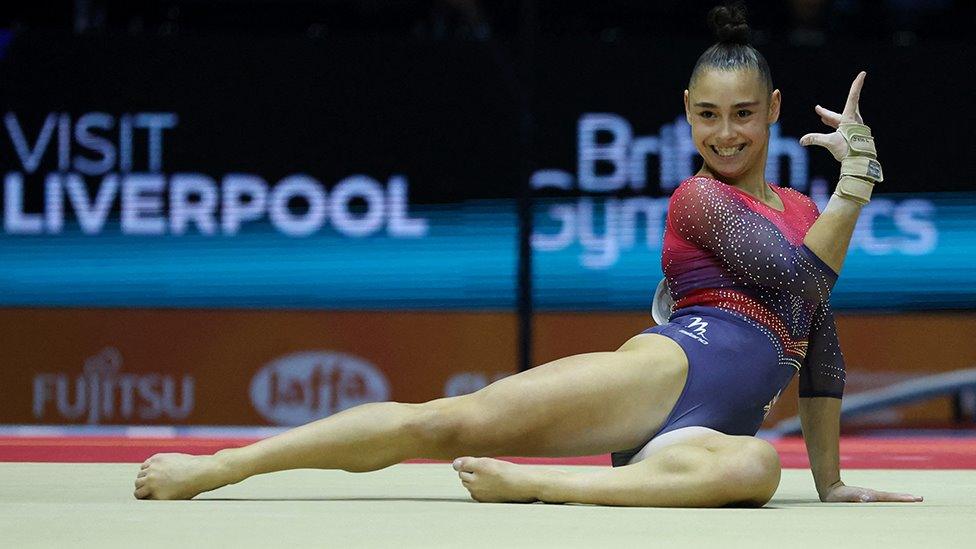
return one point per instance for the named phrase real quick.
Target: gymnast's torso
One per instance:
(751, 306)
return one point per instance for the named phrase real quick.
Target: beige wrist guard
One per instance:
(860, 169)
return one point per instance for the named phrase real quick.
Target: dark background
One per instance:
(465, 97)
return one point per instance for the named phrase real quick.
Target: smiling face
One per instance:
(730, 112)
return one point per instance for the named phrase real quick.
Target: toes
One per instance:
(462, 464)
(470, 464)
(149, 461)
(466, 476)
(141, 488)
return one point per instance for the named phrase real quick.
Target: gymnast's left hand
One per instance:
(842, 493)
(835, 142)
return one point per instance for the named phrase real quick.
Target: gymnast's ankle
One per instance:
(228, 461)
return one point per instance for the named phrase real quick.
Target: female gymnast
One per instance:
(750, 266)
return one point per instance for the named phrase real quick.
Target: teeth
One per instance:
(727, 151)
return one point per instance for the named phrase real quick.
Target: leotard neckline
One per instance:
(751, 197)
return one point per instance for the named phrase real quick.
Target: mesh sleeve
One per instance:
(750, 246)
(823, 373)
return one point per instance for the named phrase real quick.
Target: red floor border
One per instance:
(856, 452)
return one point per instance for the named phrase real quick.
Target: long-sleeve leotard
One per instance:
(724, 248)
(823, 371)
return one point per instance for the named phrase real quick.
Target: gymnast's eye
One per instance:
(707, 114)
(744, 113)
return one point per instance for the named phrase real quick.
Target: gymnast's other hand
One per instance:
(835, 142)
(841, 493)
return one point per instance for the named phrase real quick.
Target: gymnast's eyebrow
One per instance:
(707, 105)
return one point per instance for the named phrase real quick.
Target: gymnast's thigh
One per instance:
(580, 405)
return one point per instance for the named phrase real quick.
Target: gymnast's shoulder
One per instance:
(799, 198)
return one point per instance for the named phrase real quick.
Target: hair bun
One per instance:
(729, 24)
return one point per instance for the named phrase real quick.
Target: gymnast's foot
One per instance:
(495, 481)
(179, 476)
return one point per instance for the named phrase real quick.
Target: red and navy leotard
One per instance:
(751, 306)
(724, 248)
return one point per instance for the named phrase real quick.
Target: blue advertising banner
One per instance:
(908, 252)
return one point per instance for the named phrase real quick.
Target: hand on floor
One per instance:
(854, 494)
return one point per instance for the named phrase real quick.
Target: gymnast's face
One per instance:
(730, 113)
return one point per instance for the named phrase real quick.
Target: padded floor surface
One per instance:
(424, 505)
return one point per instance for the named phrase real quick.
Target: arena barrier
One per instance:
(960, 384)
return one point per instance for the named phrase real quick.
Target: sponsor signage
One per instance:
(102, 393)
(129, 367)
(152, 201)
(276, 368)
(304, 386)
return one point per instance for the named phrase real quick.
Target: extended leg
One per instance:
(714, 471)
(364, 438)
(584, 404)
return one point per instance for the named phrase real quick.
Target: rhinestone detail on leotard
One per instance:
(724, 248)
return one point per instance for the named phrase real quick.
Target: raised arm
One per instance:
(853, 145)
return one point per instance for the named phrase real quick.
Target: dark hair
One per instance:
(732, 51)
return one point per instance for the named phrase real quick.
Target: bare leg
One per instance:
(364, 438)
(707, 472)
(584, 404)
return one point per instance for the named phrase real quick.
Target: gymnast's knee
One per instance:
(753, 471)
(744, 473)
(441, 426)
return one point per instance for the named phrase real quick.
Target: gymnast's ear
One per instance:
(775, 101)
(688, 112)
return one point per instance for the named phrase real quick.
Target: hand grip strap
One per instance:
(859, 139)
(860, 170)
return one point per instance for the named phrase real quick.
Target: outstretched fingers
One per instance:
(876, 496)
(814, 139)
(851, 111)
(855, 494)
(833, 142)
(828, 116)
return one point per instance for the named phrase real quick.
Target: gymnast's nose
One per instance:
(726, 131)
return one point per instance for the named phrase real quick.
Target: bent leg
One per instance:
(584, 404)
(710, 471)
